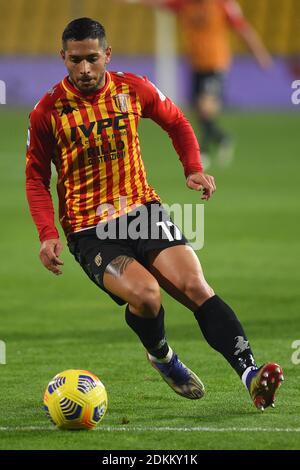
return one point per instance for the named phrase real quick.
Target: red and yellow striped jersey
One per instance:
(93, 142)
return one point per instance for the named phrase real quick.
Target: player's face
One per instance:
(86, 63)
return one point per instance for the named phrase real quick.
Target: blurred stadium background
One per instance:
(250, 255)
(31, 32)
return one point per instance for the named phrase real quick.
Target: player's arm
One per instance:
(247, 33)
(168, 116)
(38, 175)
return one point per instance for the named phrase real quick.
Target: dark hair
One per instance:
(84, 28)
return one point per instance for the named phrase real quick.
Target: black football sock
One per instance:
(223, 332)
(151, 332)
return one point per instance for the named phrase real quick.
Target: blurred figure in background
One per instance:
(205, 25)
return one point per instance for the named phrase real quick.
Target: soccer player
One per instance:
(87, 126)
(205, 25)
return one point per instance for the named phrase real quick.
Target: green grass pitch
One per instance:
(251, 258)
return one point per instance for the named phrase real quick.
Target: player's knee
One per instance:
(146, 300)
(197, 289)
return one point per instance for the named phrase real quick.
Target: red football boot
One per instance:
(264, 384)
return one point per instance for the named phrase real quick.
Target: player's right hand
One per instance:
(49, 255)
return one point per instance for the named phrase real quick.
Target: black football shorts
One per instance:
(134, 235)
(207, 83)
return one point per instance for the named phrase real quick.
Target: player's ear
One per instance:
(107, 55)
(63, 54)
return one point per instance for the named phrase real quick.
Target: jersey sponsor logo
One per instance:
(117, 123)
(121, 101)
(106, 151)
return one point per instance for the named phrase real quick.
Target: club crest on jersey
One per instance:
(122, 101)
(98, 259)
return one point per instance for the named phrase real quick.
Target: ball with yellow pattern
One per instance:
(75, 399)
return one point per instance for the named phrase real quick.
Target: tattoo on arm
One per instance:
(118, 265)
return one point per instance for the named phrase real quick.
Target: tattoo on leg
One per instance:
(118, 266)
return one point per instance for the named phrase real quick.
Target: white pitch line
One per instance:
(153, 428)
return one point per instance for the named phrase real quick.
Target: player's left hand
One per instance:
(200, 181)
